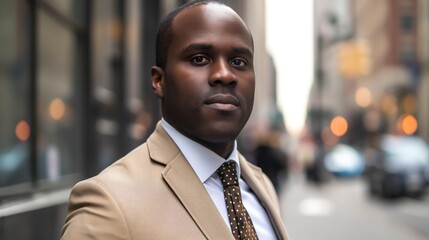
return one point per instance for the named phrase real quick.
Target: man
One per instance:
(170, 187)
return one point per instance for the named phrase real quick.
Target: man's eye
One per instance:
(200, 60)
(238, 63)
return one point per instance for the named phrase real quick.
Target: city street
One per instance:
(342, 210)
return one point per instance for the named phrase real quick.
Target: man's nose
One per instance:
(222, 74)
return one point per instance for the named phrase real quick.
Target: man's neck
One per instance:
(223, 149)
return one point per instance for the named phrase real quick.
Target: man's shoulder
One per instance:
(142, 165)
(137, 156)
(127, 170)
(134, 175)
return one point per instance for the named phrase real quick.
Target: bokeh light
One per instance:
(22, 130)
(363, 97)
(57, 109)
(339, 126)
(409, 124)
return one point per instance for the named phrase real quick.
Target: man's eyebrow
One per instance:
(197, 47)
(242, 50)
(207, 47)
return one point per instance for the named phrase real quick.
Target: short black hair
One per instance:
(164, 34)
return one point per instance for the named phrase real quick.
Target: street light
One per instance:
(408, 124)
(339, 126)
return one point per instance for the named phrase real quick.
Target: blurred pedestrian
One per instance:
(170, 187)
(271, 158)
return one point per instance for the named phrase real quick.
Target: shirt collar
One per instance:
(204, 161)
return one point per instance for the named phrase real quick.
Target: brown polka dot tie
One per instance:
(239, 219)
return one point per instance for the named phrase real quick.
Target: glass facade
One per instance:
(75, 96)
(73, 88)
(59, 68)
(14, 94)
(39, 113)
(107, 80)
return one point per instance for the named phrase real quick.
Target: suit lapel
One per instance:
(194, 197)
(183, 181)
(254, 178)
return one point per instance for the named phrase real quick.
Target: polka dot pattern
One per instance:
(241, 224)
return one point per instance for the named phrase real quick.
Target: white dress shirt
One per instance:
(205, 164)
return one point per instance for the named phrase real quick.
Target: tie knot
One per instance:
(228, 174)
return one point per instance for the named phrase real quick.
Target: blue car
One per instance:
(345, 161)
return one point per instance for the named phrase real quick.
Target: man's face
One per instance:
(209, 80)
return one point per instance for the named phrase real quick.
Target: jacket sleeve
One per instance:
(93, 213)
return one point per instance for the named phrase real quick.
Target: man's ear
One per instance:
(157, 75)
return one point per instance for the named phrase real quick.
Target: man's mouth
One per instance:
(222, 102)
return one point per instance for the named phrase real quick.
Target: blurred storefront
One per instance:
(75, 95)
(73, 100)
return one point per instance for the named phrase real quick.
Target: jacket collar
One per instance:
(181, 178)
(183, 181)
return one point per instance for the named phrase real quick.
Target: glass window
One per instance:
(121, 118)
(14, 94)
(58, 113)
(140, 118)
(107, 80)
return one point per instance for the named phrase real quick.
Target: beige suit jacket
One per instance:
(153, 193)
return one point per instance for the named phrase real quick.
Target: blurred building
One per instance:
(373, 56)
(75, 95)
(333, 24)
(423, 46)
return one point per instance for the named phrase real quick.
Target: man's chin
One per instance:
(219, 136)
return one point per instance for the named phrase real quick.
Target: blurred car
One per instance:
(400, 167)
(344, 160)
